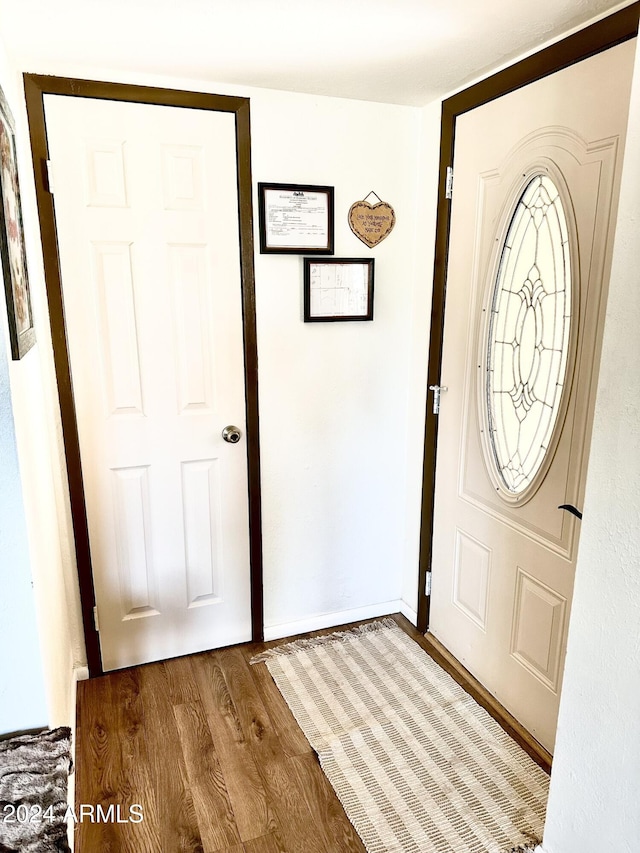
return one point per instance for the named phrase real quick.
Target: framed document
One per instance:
(295, 219)
(338, 289)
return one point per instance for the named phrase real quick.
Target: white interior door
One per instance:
(146, 210)
(536, 176)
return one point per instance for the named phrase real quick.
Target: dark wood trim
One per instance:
(36, 86)
(48, 237)
(610, 31)
(243, 137)
(46, 85)
(433, 374)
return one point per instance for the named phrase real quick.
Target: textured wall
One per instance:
(595, 784)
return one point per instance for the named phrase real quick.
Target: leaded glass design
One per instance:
(528, 342)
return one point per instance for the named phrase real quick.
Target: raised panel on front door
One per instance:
(538, 628)
(471, 577)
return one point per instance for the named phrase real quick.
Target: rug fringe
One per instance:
(336, 637)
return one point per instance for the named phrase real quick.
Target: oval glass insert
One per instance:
(528, 341)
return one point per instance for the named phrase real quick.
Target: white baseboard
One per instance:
(331, 620)
(409, 613)
(80, 673)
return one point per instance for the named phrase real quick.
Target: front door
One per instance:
(536, 176)
(146, 206)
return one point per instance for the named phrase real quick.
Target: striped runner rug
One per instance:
(418, 765)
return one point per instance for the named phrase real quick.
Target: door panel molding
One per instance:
(611, 31)
(36, 87)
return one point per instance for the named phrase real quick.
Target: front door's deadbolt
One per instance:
(231, 434)
(437, 390)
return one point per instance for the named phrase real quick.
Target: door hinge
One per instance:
(50, 182)
(95, 619)
(448, 192)
(427, 583)
(437, 391)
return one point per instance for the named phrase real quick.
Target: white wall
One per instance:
(594, 804)
(22, 700)
(334, 397)
(34, 400)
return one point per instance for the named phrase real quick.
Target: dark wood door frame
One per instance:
(610, 31)
(36, 86)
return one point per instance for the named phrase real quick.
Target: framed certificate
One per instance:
(338, 289)
(295, 219)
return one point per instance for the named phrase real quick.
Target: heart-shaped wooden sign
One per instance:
(371, 223)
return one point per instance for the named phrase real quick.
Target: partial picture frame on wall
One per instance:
(12, 246)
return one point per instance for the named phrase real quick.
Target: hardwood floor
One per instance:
(209, 750)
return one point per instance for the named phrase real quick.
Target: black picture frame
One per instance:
(345, 297)
(12, 246)
(296, 219)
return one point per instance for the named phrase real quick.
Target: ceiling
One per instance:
(394, 51)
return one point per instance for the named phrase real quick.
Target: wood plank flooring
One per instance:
(208, 748)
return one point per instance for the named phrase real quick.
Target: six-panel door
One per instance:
(146, 207)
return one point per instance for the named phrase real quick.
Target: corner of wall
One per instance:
(409, 613)
(41, 453)
(426, 171)
(594, 783)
